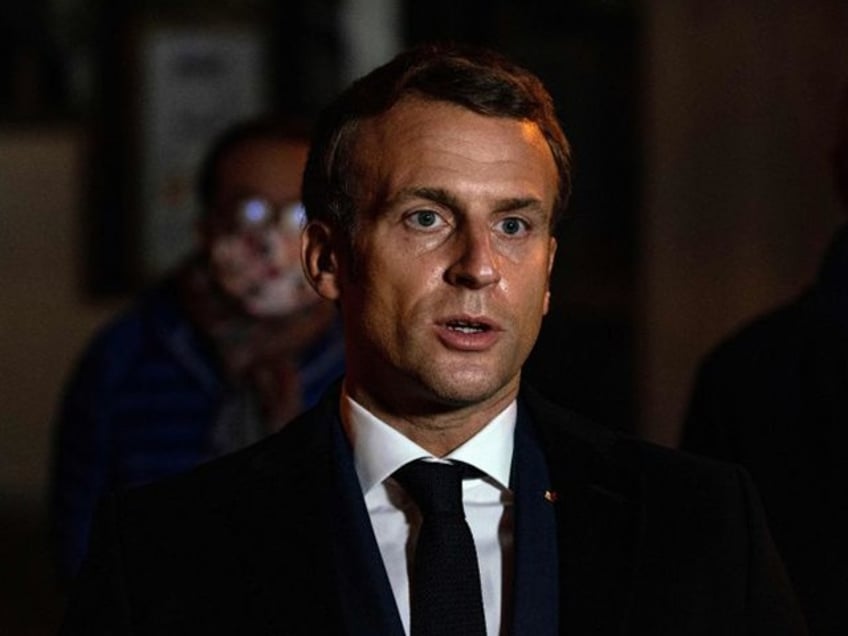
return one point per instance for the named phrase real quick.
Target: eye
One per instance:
(293, 217)
(513, 226)
(425, 219)
(253, 212)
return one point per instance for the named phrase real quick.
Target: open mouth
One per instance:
(468, 333)
(467, 327)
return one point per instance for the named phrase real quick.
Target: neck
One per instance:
(437, 428)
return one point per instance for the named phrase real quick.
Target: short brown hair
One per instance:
(478, 79)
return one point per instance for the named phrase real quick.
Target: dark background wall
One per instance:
(702, 190)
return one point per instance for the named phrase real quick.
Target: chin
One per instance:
(464, 389)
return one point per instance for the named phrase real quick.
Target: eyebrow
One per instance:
(443, 197)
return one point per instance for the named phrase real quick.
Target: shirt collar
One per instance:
(379, 450)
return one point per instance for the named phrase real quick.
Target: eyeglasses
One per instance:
(258, 213)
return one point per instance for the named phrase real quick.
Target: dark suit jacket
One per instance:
(276, 540)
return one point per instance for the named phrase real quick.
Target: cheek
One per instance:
(530, 292)
(391, 297)
(398, 270)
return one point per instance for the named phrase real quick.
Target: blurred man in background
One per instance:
(225, 350)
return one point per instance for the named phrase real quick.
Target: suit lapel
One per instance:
(598, 519)
(311, 561)
(536, 587)
(597, 542)
(368, 605)
(281, 522)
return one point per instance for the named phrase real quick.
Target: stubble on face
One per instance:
(441, 317)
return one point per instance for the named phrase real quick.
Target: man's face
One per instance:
(444, 295)
(253, 234)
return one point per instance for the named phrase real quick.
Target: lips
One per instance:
(467, 327)
(467, 333)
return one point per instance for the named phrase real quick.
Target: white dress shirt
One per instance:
(379, 450)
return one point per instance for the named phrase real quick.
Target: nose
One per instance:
(475, 264)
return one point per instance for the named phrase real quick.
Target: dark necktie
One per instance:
(445, 594)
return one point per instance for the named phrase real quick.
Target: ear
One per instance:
(547, 301)
(320, 259)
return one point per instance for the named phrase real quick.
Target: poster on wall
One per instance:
(195, 82)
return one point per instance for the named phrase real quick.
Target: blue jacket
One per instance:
(142, 404)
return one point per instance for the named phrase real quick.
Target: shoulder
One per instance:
(211, 544)
(153, 330)
(137, 325)
(754, 375)
(774, 336)
(580, 450)
(277, 463)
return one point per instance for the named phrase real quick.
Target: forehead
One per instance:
(419, 139)
(271, 167)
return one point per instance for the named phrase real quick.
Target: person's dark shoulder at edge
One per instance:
(618, 451)
(754, 343)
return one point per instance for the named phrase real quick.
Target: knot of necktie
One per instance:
(435, 487)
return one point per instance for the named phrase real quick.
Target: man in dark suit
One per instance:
(774, 398)
(432, 189)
